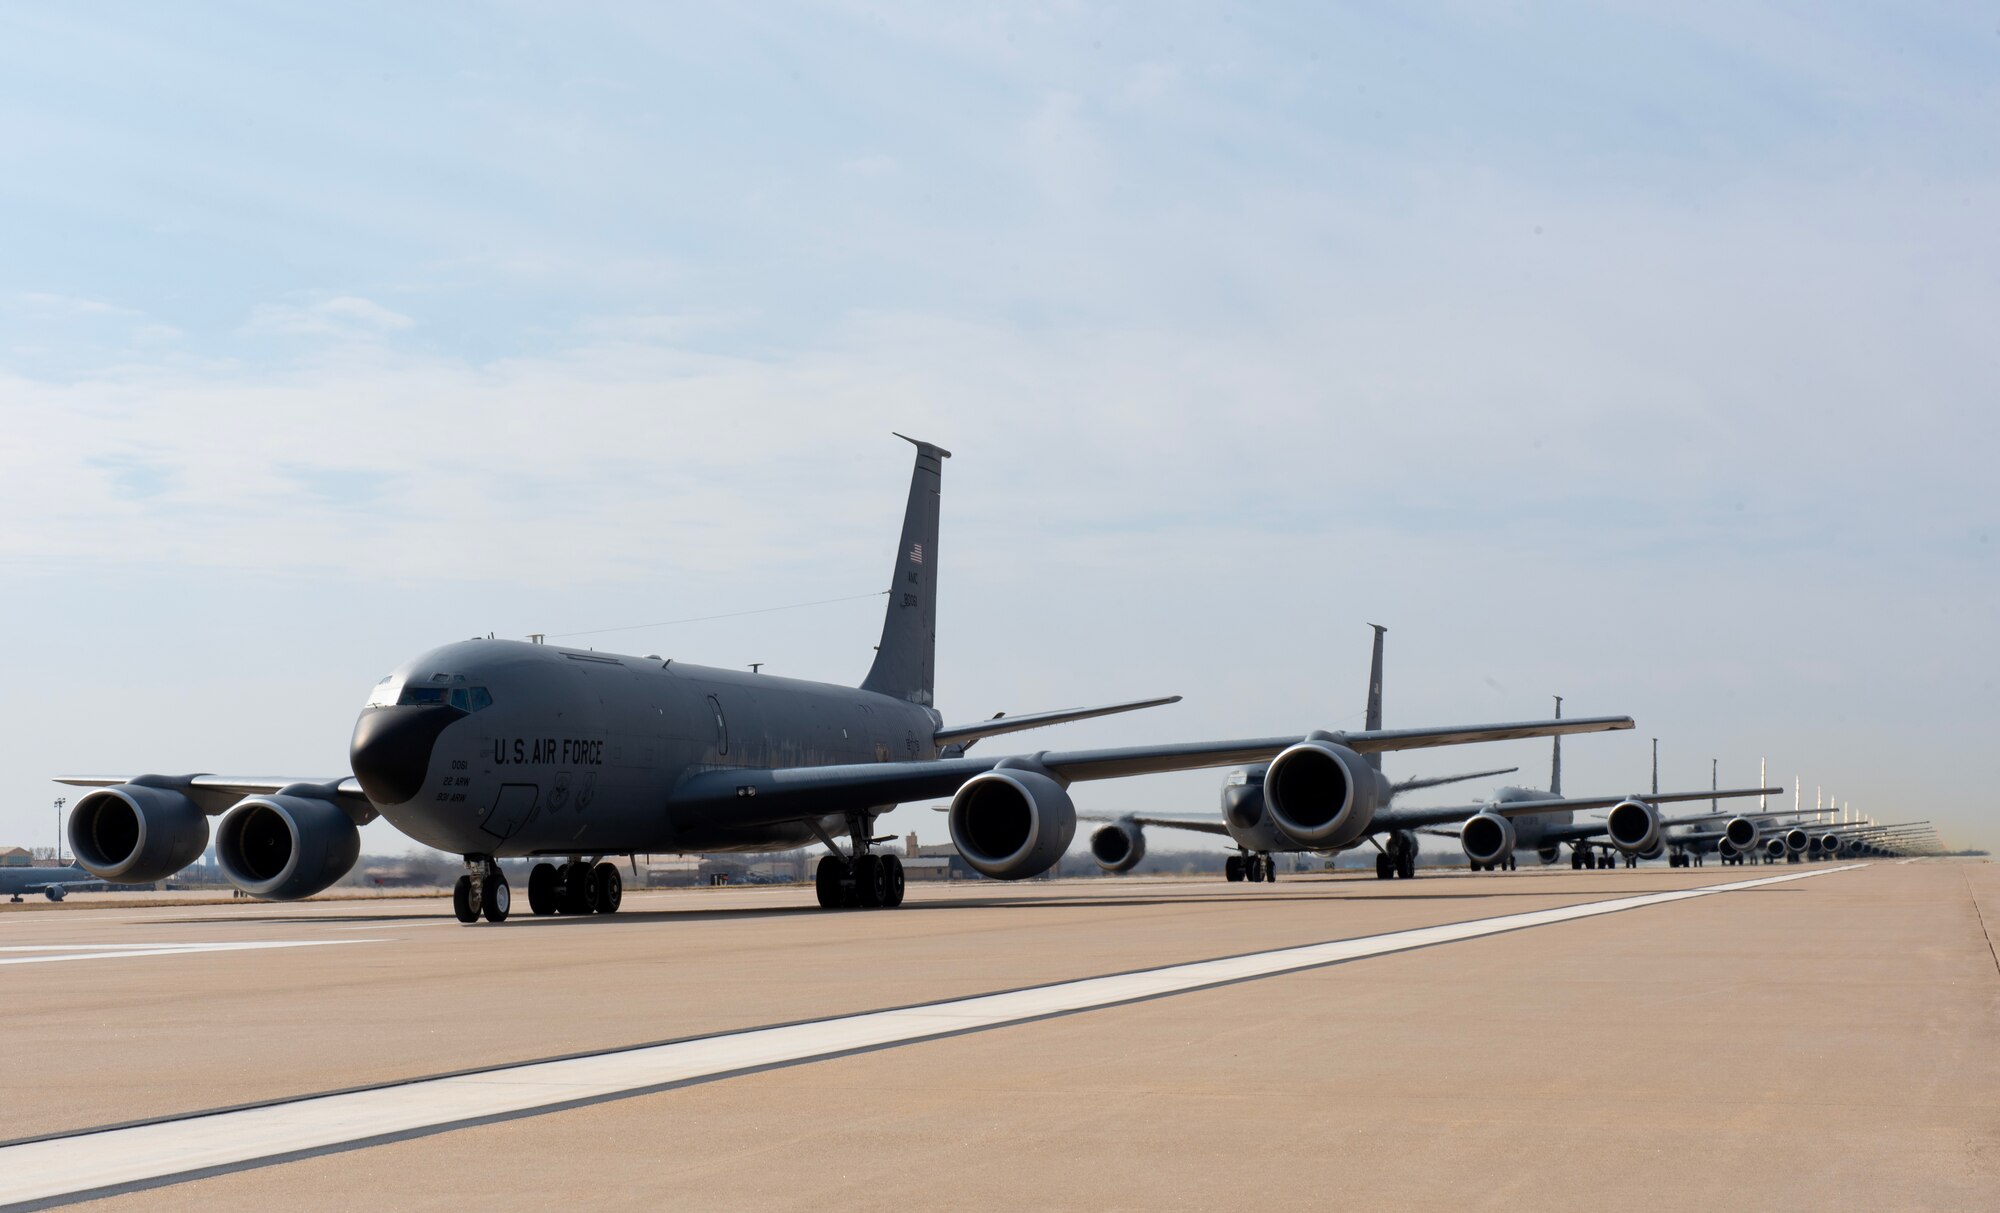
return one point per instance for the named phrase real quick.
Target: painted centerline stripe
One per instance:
(93, 1163)
(52, 953)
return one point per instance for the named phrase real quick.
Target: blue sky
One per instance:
(1637, 353)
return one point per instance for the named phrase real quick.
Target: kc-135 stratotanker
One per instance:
(496, 749)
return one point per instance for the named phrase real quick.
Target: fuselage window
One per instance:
(721, 726)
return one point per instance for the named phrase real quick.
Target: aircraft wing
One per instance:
(214, 794)
(1393, 818)
(1556, 804)
(794, 793)
(1195, 824)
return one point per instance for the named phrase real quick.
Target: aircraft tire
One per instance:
(870, 881)
(461, 901)
(1232, 868)
(893, 866)
(610, 888)
(827, 880)
(498, 900)
(1510, 863)
(575, 893)
(1381, 867)
(543, 885)
(1406, 867)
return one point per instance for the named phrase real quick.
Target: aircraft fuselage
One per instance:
(506, 748)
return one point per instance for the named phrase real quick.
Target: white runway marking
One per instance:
(59, 1170)
(48, 953)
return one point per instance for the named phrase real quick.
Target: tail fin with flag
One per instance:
(906, 660)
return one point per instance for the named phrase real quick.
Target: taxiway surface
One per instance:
(1830, 1041)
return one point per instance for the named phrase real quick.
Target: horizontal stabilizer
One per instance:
(966, 733)
(1438, 781)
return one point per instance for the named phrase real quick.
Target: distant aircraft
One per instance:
(495, 748)
(52, 883)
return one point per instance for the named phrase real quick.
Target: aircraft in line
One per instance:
(52, 883)
(1489, 831)
(496, 748)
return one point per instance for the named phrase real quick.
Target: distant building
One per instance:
(937, 861)
(16, 857)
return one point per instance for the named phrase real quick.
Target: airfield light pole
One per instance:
(1656, 766)
(60, 802)
(1714, 764)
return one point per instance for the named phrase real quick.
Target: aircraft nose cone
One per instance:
(391, 750)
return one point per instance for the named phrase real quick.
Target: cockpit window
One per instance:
(470, 699)
(412, 695)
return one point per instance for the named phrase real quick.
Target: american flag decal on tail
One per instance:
(916, 553)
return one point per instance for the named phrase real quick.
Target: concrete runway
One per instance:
(1546, 1038)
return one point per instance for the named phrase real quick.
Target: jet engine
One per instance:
(286, 846)
(1118, 847)
(1741, 833)
(1796, 840)
(1634, 826)
(1323, 794)
(1830, 843)
(136, 833)
(1487, 838)
(1775, 848)
(1011, 823)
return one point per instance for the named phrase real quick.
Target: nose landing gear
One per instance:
(481, 892)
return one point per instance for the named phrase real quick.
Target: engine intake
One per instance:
(1830, 843)
(1775, 848)
(1118, 847)
(1634, 826)
(1322, 794)
(1741, 833)
(1796, 839)
(135, 833)
(1011, 824)
(286, 846)
(1486, 838)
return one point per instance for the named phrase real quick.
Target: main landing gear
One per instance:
(1394, 867)
(1253, 868)
(576, 887)
(859, 879)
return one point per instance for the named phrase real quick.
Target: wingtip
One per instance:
(926, 448)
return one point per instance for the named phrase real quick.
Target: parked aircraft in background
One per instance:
(495, 748)
(52, 883)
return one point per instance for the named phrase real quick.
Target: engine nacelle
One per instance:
(136, 833)
(1741, 833)
(286, 846)
(1796, 840)
(1775, 848)
(1323, 794)
(1011, 823)
(1633, 826)
(1550, 854)
(1486, 838)
(1830, 843)
(1118, 847)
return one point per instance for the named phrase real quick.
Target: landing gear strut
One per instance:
(1253, 868)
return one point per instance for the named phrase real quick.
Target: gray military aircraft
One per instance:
(1121, 843)
(52, 883)
(495, 748)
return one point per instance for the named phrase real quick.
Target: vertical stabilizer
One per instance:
(1372, 718)
(906, 660)
(1556, 760)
